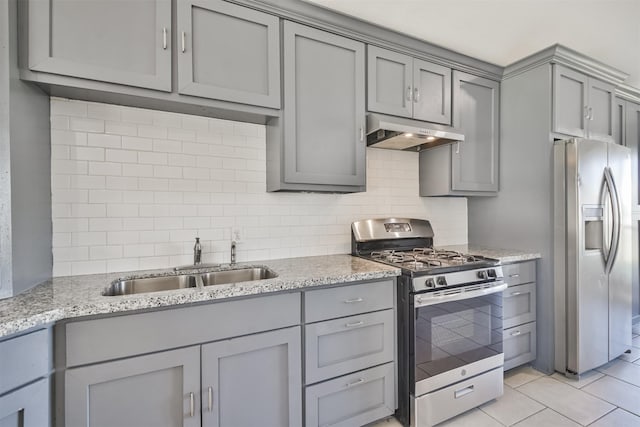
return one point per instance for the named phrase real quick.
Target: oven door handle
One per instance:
(421, 300)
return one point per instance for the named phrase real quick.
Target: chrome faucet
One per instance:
(197, 252)
(233, 252)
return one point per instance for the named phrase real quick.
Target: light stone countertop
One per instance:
(76, 296)
(505, 256)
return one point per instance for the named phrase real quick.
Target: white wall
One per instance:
(131, 188)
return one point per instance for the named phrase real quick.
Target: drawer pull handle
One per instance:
(356, 382)
(513, 294)
(514, 275)
(458, 394)
(210, 399)
(515, 333)
(353, 301)
(354, 324)
(192, 404)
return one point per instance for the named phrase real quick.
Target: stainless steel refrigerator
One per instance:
(592, 253)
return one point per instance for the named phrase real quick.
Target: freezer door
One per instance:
(621, 264)
(587, 295)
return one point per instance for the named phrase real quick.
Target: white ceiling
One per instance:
(504, 31)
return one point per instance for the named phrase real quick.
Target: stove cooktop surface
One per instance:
(430, 260)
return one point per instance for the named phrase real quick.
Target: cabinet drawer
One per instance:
(24, 359)
(519, 273)
(326, 304)
(519, 344)
(519, 305)
(352, 400)
(340, 346)
(122, 336)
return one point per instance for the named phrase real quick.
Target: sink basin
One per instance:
(150, 284)
(240, 275)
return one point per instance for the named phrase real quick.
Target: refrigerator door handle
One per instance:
(615, 232)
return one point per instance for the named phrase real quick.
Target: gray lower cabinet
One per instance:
(352, 400)
(468, 168)
(404, 86)
(350, 370)
(582, 106)
(319, 143)
(228, 52)
(253, 381)
(160, 389)
(28, 406)
(25, 365)
(127, 43)
(519, 314)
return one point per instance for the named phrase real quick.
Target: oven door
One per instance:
(458, 334)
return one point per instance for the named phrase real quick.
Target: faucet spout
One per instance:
(233, 252)
(197, 252)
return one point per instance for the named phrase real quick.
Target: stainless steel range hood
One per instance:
(397, 133)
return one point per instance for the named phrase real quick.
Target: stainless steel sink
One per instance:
(167, 283)
(150, 284)
(239, 275)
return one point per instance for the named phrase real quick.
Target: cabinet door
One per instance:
(390, 82)
(519, 345)
(111, 41)
(601, 109)
(28, 406)
(156, 390)
(254, 380)
(474, 162)
(519, 305)
(570, 108)
(432, 93)
(619, 121)
(228, 52)
(632, 133)
(324, 115)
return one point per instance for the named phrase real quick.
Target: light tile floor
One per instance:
(606, 397)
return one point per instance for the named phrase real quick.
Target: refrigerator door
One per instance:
(587, 246)
(621, 264)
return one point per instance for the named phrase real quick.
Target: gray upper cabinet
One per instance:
(228, 52)
(404, 86)
(158, 390)
(619, 121)
(476, 112)
(468, 168)
(632, 140)
(319, 144)
(128, 43)
(254, 380)
(582, 106)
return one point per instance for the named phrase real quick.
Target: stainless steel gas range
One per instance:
(449, 320)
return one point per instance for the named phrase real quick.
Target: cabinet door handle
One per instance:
(353, 300)
(356, 382)
(409, 93)
(416, 95)
(184, 42)
(361, 134)
(514, 275)
(164, 38)
(192, 404)
(210, 398)
(458, 147)
(353, 324)
(590, 113)
(515, 333)
(586, 112)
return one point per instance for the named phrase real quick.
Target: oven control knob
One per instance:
(441, 281)
(430, 283)
(491, 273)
(483, 274)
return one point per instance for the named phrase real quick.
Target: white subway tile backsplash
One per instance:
(131, 188)
(104, 140)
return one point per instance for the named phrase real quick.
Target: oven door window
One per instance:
(450, 335)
